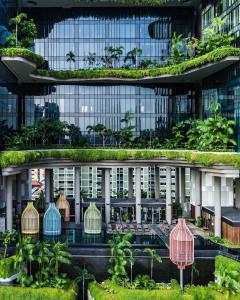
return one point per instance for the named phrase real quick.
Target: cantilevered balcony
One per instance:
(24, 65)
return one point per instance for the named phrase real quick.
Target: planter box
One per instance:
(9, 279)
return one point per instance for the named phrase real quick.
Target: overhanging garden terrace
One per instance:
(119, 139)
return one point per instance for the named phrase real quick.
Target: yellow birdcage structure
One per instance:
(92, 220)
(30, 220)
(64, 207)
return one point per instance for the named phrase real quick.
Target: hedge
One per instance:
(181, 68)
(22, 52)
(8, 158)
(7, 267)
(19, 293)
(228, 263)
(111, 291)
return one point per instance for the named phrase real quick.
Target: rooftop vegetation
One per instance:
(8, 158)
(181, 68)
(24, 53)
(109, 290)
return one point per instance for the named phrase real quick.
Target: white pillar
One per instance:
(157, 182)
(168, 196)
(176, 184)
(48, 186)
(103, 184)
(217, 201)
(9, 200)
(138, 194)
(19, 193)
(29, 182)
(196, 190)
(77, 195)
(107, 196)
(182, 186)
(130, 183)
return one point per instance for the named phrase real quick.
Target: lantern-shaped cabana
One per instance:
(181, 247)
(64, 207)
(52, 221)
(92, 220)
(30, 220)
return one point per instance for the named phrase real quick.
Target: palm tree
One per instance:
(83, 275)
(133, 56)
(70, 58)
(132, 258)
(154, 257)
(91, 128)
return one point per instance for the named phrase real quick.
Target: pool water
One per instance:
(77, 236)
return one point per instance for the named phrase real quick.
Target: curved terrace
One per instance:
(26, 66)
(16, 158)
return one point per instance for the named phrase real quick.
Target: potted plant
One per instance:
(8, 271)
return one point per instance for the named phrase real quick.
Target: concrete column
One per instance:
(103, 184)
(138, 194)
(237, 192)
(130, 183)
(9, 202)
(77, 195)
(217, 201)
(48, 186)
(168, 196)
(29, 182)
(196, 190)
(107, 196)
(19, 193)
(157, 182)
(177, 184)
(182, 186)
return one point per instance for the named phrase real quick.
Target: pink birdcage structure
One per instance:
(181, 247)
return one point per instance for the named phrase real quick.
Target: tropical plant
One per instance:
(24, 32)
(154, 257)
(132, 56)
(112, 56)
(144, 282)
(217, 131)
(24, 259)
(132, 253)
(228, 281)
(214, 37)
(192, 44)
(119, 245)
(59, 256)
(42, 257)
(83, 275)
(71, 58)
(90, 59)
(8, 237)
(73, 132)
(177, 49)
(194, 270)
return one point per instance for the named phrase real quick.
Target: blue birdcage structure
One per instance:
(52, 221)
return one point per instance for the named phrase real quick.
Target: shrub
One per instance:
(19, 293)
(8, 158)
(7, 267)
(22, 52)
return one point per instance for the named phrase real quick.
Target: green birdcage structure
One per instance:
(92, 220)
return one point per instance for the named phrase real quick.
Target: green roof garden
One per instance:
(9, 158)
(195, 69)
